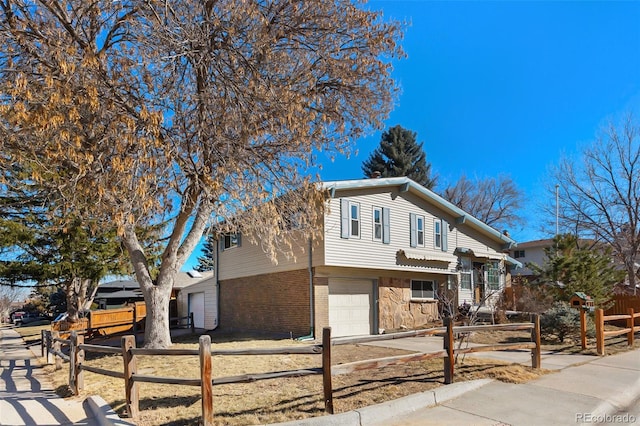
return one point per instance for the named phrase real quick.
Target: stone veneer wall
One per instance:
(396, 308)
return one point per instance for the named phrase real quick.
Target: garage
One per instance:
(350, 306)
(196, 307)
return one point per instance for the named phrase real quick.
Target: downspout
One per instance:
(311, 334)
(216, 272)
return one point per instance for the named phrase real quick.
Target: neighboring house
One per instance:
(116, 294)
(389, 247)
(530, 252)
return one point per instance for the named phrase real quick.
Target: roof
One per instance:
(404, 184)
(182, 280)
(122, 294)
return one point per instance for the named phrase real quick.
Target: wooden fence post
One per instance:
(193, 326)
(583, 328)
(73, 348)
(206, 385)
(132, 396)
(448, 345)
(536, 355)
(49, 342)
(134, 326)
(79, 361)
(326, 370)
(600, 331)
(42, 342)
(55, 335)
(630, 324)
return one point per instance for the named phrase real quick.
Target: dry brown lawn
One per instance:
(274, 400)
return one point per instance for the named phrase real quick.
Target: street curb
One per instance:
(102, 412)
(381, 413)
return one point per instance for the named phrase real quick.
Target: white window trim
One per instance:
(357, 219)
(377, 224)
(437, 232)
(434, 288)
(419, 218)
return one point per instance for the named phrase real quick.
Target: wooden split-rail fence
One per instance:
(601, 319)
(129, 352)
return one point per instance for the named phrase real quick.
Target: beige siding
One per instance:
(250, 259)
(364, 252)
(210, 301)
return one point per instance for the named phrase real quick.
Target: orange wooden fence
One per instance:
(601, 318)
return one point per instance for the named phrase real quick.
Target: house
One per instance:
(118, 293)
(530, 252)
(390, 247)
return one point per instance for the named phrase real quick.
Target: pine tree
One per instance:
(206, 262)
(400, 155)
(570, 267)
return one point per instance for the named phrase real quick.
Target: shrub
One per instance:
(561, 320)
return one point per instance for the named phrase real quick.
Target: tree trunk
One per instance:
(156, 329)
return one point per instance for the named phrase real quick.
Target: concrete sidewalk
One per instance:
(584, 388)
(28, 398)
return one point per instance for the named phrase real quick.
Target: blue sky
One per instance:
(507, 87)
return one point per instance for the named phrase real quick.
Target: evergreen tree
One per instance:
(206, 262)
(400, 155)
(571, 268)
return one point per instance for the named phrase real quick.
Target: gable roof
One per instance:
(404, 184)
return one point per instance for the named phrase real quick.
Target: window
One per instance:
(493, 276)
(465, 273)
(420, 230)
(422, 289)
(229, 241)
(417, 230)
(349, 219)
(518, 254)
(437, 234)
(377, 224)
(354, 209)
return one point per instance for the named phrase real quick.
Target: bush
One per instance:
(561, 320)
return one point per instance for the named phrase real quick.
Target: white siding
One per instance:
(210, 301)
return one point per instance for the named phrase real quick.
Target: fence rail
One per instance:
(601, 319)
(206, 381)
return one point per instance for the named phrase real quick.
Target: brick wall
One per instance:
(321, 295)
(269, 303)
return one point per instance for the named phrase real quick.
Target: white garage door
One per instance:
(196, 306)
(350, 306)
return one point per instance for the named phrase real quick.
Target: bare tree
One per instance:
(494, 201)
(141, 112)
(599, 192)
(8, 295)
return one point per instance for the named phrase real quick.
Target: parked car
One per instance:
(16, 317)
(31, 318)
